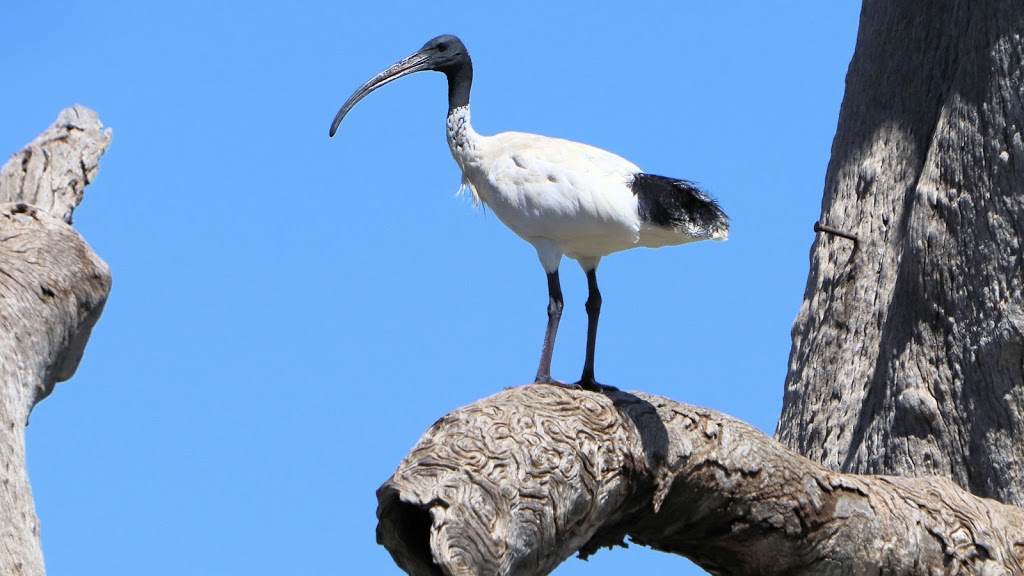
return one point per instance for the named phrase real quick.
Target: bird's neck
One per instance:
(460, 82)
(461, 136)
(462, 140)
(464, 144)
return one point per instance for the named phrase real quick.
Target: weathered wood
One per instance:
(518, 482)
(908, 351)
(52, 291)
(52, 172)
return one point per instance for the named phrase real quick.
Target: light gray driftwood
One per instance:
(908, 351)
(518, 482)
(52, 291)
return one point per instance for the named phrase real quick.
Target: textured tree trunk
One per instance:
(52, 291)
(908, 359)
(908, 351)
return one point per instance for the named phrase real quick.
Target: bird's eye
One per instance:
(442, 47)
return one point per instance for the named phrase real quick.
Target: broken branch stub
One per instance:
(51, 173)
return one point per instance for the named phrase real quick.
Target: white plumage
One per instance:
(563, 197)
(560, 196)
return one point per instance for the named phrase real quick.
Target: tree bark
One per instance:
(52, 291)
(908, 359)
(517, 483)
(908, 351)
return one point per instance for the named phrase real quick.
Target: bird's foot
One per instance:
(588, 383)
(551, 381)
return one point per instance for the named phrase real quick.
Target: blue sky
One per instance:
(290, 312)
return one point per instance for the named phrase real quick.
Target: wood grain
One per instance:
(519, 482)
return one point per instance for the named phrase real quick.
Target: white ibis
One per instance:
(562, 197)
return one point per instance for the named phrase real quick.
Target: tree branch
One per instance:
(52, 291)
(518, 482)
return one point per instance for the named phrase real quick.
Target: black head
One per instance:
(445, 53)
(442, 54)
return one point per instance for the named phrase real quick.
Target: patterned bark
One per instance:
(517, 483)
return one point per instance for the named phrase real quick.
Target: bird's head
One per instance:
(442, 54)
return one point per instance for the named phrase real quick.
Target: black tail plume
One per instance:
(680, 205)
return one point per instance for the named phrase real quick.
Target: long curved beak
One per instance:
(404, 67)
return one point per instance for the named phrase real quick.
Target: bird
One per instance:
(562, 197)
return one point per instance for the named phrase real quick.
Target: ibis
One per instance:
(564, 198)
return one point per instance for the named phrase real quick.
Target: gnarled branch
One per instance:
(518, 482)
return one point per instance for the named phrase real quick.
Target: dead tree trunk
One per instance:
(908, 351)
(908, 358)
(52, 291)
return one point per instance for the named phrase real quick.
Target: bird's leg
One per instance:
(554, 315)
(587, 381)
(593, 313)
